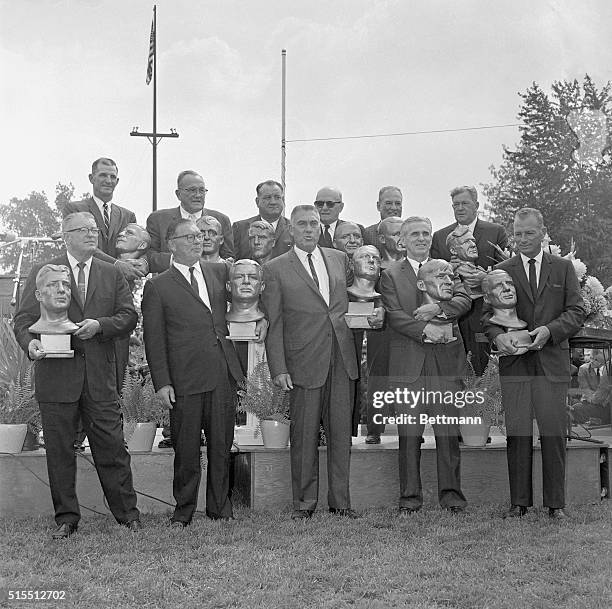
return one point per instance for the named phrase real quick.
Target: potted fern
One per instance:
(19, 411)
(489, 410)
(142, 411)
(260, 397)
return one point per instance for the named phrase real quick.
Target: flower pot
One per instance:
(31, 441)
(274, 433)
(143, 437)
(12, 437)
(475, 434)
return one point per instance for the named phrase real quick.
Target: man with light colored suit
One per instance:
(311, 354)
(420, 359)
(191, 192)
(486, 234)
(194, 369)
(270, 201)
(548, 298)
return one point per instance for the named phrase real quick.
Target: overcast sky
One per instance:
(73, 86)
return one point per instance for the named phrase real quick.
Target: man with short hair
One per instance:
(389, 230)
(270, 201)
(329, 205)
(191, 192)
(389, 205)
(536, 382)
(348, 238)
(194, 369)
(85, 385)
(486, 234)
(110, 218)
(261, 241)
(421, 359)
(311, 353)
(212, 238)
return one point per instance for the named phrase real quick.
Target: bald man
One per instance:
(329, 204)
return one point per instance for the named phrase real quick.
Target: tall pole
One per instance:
(153, 137)
(283, 141)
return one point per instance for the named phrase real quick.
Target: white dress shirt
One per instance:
(187, 216)
(415, 265)
(100, 205)
(332, 229)
(183, 269)
(538, 266)
(320, 268)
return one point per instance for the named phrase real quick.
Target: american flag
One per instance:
(151, 52)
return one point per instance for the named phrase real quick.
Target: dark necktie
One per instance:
(312, 270)
(533, 284)
(194, 281)
(420, 264)
(326, 240)
(106, 216)
(81, 282)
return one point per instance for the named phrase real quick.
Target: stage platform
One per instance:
(262, 477)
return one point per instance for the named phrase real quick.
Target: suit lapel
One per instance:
(280, 227)
(209, 280)
(95, 212)
(180, 280)
(298, 267)
(114, 222)
(544, 273)
(93, 281)
(333, 276)
(519, 272)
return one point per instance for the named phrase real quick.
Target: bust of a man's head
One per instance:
(435, 279)
(132, 242)
(366, 268)
(462, 244)
(261, 240)
(212, 237)
(389, 231)
(499, 291)
(245, 285)
(53, 292)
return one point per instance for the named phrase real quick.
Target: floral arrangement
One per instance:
(260, 397)
(491, 410)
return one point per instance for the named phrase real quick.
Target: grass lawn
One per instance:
(431, 559)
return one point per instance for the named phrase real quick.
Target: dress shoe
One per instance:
(345, 513)
(372, 438)
(64, 531)
(456, 509)
(301, 514)
(133, 525)
(557, 514)
(405, 511)
(178, 524)
(223, 518)
(515, 511)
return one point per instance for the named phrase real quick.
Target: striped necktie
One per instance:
(194, 281)
(81, 283)
(106, 216)
(315, 278)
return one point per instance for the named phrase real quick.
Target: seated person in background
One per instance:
(594, 381)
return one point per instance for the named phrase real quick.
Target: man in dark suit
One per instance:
(311, 353)
(465, 208)
(191, 192)
(329, 204)
(110, 218)
(194, 369)
(85, 385)
(389, 205)
(270, 201)
(420, 359)
(549, 300)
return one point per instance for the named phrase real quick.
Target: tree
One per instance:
(562, 166)
(30, 217)
(64, 193)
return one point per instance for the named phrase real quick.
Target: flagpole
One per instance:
(153, 137)
(283, 141)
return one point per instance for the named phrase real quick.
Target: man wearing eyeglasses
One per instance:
(329, 205)
(194, 369)
(83, 386)
(110, 218)
(270, 201)
(487, 234)
(191, 192)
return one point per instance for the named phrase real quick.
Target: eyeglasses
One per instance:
(329, 204)
(194, 190)
(84, 230)
(191, 238)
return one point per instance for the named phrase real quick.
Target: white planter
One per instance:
(475, 434)
(143, 437)
(275, 434)
(12, 437)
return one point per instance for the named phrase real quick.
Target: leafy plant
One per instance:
(140, 404)
(260, 397)
(491, 409)
(17, 401)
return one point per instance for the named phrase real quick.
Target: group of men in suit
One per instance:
(311, 351)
